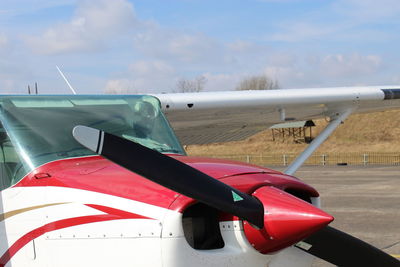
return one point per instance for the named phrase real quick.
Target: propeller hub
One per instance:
(287, 220)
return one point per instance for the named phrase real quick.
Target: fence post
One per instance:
(284, 160)
(247, 158)
(365, 159)
(323, 159)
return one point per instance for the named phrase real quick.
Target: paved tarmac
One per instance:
(365, 202)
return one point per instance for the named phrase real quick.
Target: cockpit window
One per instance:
(9, 160)
(39, 128)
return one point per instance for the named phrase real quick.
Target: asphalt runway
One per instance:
(365, 202)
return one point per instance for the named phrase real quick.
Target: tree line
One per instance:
(255, 82)
(197, 84)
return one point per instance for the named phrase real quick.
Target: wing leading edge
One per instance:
(209, 117)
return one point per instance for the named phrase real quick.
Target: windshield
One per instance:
(40, 127)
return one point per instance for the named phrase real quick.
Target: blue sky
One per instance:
(146, 46)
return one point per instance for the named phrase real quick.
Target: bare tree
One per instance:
(258, 82)
(195, 85)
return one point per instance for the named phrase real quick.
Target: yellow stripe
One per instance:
(395, 255)
(9, 214)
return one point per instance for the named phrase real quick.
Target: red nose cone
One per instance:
(287, 220)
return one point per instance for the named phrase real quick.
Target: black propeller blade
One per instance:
(172, 174)
(342, 249)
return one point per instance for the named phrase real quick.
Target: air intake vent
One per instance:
(201, 227)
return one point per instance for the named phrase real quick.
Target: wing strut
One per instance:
(329, 129)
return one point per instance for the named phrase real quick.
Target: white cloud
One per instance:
(355, 65)
(329, 70)
(151, 68)
(289, 76)
(222, 82)
(93, 24)
(302, 31)
(3, 41)
(7, 86)
(279, 1)
(144, 77)
(120, 86)
(348, 21)
(396, 79)
(10, 8)
(282, 59)
(240, 46)
(190, 47)
(157, 42)
(14, 76)
(366, 10)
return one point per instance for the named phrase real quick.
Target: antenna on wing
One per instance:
(30, 91)
(65, 79)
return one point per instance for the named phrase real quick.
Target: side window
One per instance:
(8, 160)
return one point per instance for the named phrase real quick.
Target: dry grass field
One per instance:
(364, 133)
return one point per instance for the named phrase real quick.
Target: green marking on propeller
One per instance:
(236, 197)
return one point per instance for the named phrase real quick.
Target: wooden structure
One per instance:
(299, 131)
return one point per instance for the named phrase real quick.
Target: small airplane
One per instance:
(101, 180)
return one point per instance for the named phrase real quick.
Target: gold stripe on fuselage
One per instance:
(9, 214)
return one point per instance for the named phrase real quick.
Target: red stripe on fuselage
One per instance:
(123, 214)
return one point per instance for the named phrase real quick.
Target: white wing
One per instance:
(208, 117)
